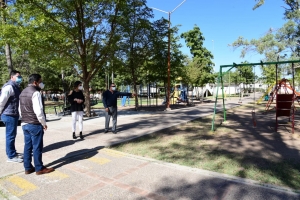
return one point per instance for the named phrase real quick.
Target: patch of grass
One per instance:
(194, 145)
(3, 195)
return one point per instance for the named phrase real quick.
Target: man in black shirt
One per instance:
(110, 98)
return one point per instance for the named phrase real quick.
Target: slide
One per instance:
(297, 93)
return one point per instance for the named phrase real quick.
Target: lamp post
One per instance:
(169, 52)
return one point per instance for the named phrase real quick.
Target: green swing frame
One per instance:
(234, 65)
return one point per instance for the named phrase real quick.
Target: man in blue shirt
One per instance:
(110, 98)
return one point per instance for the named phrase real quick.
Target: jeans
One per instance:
(11, 124)
(33, 138)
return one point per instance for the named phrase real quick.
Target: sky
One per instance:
(222, 22)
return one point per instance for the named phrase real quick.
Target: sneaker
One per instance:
(15, 160)
(20, 155)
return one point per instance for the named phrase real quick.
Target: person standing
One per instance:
(33, 124)
(110, 98)
(76, 99)
(9, 104)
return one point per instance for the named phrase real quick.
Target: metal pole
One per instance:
(169, 54)
(169, 64)
(229, 85)
(215, 109)
(293, 110)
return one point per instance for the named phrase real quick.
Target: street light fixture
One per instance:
(169, 53)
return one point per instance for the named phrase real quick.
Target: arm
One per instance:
(124, 94)
(70, 97)
(20, 110)
(83, 98)
(6, 92)
(38, 108)
(104, 98)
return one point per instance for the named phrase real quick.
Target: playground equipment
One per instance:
(284, 101)
(285, 96)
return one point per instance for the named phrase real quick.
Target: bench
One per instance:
(62, 109)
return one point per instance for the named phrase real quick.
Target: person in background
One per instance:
(110, 98)
(33, 124)
(9, 104)
(76, 99)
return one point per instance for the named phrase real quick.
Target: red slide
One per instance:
(297, 93)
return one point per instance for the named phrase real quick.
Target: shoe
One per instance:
(20, 155)
(105, 131)
(80, 135)
(45, 170)
(115, 132)
(15, 160)
(74, 136)
(30, 171)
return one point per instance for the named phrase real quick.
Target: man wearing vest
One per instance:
(33, 125)
(9, 104)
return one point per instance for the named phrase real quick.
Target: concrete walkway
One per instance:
(85, 169)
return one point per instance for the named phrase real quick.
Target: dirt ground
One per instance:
(263, 140)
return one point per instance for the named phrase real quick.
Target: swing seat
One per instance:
(253, 119)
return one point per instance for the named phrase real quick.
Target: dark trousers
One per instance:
(113, 112)
(33, 138)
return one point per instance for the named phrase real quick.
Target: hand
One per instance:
(45, 127)
(79, 101)
(106, 109)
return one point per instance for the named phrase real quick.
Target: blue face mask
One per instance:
(19, 80)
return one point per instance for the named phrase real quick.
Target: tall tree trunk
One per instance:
(7, 46)
(87, 98)
(8, 58)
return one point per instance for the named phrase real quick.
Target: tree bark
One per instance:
(8, 58)
(7, 46)
(87, 98)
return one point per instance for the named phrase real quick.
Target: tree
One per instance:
(200, 68)
(8, 55)
(78, 33)
(282, 43)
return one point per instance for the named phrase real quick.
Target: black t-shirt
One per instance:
(74, 105)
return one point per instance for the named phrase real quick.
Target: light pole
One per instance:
(169, 52)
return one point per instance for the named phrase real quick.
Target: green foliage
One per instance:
(281, 44)
(200, 67)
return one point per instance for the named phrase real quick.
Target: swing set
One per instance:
(284, 102)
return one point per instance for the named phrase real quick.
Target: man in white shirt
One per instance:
(33, 125)
(9, 104)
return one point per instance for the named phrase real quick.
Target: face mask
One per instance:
(80, 88)
(19, 80)
(42, 85)
(113, 88)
